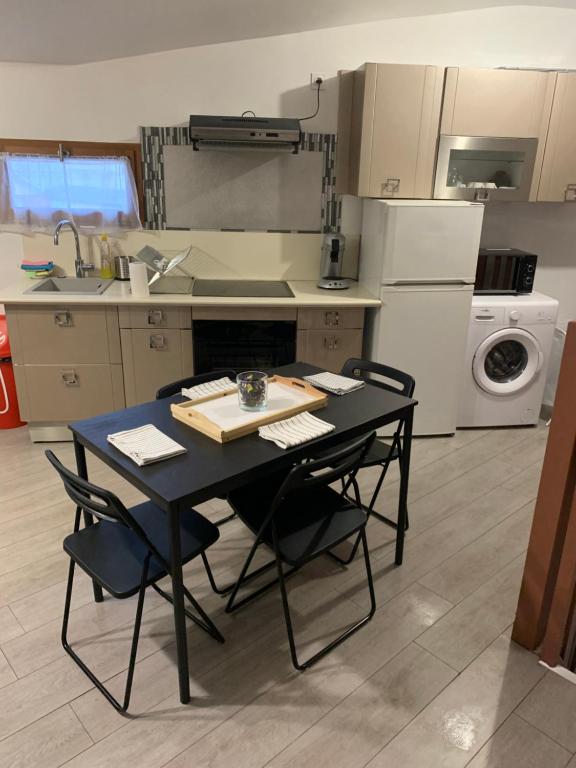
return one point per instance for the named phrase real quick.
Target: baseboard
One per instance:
(49, 433)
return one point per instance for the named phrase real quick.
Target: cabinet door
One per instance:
(558, 179)
(405, 129)
(497, 102)
(68, 334)
(152, 359)
(329, 349)
(391, 134)
(54, 393)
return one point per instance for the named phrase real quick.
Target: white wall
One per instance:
(108, 100)
(547, 229)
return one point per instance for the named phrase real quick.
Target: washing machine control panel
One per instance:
(530, 316)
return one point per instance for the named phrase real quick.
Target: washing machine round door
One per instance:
(507, 361)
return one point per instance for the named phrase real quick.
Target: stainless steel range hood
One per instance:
(228, 132)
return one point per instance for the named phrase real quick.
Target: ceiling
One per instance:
(76, 32)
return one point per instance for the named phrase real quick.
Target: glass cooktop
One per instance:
(258, 288)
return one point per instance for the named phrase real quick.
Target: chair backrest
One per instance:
(175, 387)
(380, 375)
(97, 501)
(342, 462)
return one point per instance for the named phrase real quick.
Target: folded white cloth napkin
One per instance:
(224, 384)
(145, 444)
(296, 430)
(334, 383)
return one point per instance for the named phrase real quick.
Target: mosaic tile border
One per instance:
(154, 139)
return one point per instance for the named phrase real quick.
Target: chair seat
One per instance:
(378, 453)
(306, 522)
(113, 555)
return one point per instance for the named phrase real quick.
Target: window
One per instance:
(88, 183)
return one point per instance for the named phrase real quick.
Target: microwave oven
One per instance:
(505, 271)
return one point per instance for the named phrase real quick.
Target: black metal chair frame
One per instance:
(174, 388)
(343, 462)
(353, 368)
(105, 506)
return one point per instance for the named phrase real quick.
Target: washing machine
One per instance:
(507, 354)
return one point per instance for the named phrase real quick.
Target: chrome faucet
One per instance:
(80, 266)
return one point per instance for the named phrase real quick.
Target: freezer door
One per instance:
(427, 243)
(423, 331)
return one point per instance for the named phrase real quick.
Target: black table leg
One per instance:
(178, 602)
(88, 519)
(404, 477)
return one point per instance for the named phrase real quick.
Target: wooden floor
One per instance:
(433, 680)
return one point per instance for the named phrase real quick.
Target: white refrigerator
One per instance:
(419, 257)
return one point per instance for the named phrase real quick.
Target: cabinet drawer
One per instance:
(55, 393)
(153, 359)
(64, 334)
(351, 317)
(155, 317)
(329, 349)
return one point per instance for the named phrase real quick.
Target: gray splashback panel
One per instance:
(242, 189)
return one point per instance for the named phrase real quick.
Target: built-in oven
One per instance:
(505, 271)
(243, 345)
(484, 168)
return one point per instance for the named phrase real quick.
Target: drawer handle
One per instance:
(330, 343)
(332, 319)
(70, 378)
(63, 319)
(155, 317)
(157, 341)
(390, 187)
(336, 342)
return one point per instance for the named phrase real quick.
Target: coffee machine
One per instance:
(331, 263)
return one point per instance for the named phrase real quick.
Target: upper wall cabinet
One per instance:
(497, 102)
(502, 103)
(558, 179)
(387, 130)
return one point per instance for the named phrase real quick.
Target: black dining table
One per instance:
(209, 468)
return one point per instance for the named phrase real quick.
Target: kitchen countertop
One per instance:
(306, 294)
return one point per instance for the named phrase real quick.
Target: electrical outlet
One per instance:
(314, 85)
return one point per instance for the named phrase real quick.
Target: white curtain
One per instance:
(97, 193)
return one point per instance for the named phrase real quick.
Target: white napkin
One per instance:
(296, 430)
(146, 444)
(332, 382)
(224, 384)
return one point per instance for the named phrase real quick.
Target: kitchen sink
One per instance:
(71, 285)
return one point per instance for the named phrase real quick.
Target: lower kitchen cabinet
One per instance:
(329, 349)
(152, 359)
(64, 393)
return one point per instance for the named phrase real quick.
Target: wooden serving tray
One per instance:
(220, 417)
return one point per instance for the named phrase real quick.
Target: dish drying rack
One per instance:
(168, 271)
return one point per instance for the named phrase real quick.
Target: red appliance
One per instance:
(9, 413)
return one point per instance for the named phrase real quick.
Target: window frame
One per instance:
(131, 150)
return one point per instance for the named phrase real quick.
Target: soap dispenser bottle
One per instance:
(106, 264)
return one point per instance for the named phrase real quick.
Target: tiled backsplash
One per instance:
(154, 139)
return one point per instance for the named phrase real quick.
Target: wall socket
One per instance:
(313, 85)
